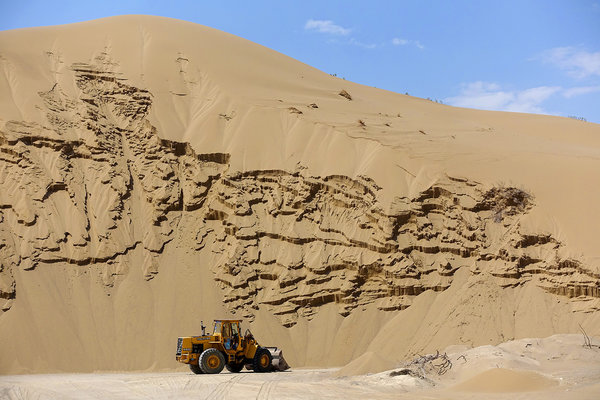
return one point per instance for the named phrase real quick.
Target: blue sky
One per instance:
(538, 56)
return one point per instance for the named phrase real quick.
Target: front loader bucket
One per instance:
(279, 363)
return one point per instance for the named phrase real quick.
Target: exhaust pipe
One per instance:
(279, 363)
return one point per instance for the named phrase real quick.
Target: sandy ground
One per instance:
(298, 384)
(557, 367)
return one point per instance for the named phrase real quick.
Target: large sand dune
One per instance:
(156, 172)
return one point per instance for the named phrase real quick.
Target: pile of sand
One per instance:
(156, 173)
(499, 380)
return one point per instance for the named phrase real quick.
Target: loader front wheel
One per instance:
(211, 361)
(195, 369)
(262, 361)
(233, 367)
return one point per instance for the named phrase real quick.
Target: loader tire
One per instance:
(233, 367)
(195, 369)
(211, 361)
(263, 361)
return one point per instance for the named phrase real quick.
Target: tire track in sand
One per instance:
(223, 388)
(266, 390)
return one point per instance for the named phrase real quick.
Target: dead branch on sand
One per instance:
(440, 363)
(587, 342)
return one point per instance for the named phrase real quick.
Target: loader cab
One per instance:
(230, 334)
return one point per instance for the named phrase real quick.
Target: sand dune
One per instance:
(156, 173)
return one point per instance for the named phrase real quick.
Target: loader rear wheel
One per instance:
(233, 367)
(195, 369)
(262, 361)
(211, 361)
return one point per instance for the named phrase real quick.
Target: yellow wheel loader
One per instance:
(227, 348)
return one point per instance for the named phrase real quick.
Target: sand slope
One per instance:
(156, 172)
(506, 380)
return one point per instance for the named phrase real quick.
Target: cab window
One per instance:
(218, 325)
(227, 330)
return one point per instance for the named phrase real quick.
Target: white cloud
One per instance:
(577, 62)
(581, 90)
(490, 96)
(361, 44)
(326, 26)
(404, 42)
